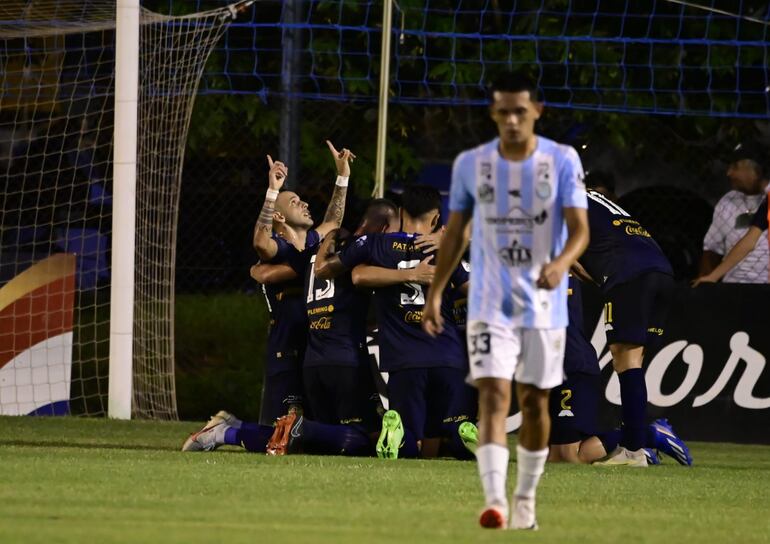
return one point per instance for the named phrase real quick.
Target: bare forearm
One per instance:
(263, 242)
(365, 275)
(737, 253)
(577, 235)
(453, 245)
(335, 211)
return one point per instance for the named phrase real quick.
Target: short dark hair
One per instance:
(379, 210)
(600, 178)
(514, 82)
(755, 154)
(418, 200)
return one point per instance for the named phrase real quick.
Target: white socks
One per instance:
(530, 466)
(493, 470)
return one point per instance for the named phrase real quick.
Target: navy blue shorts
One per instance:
(279, 392)
(573, 407)
(426, 398)
(635, 311)
(341, 395)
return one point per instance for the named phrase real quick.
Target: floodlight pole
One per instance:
(382, 117)
(124, 209)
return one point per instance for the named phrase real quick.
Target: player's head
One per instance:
(514, 106)
(421, 203)
(291, 211)
(381, 215)
(602, 182)
(746, 171)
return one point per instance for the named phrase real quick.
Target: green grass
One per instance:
(89, 480)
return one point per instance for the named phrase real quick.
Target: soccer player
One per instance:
(636, 282)
(284, 226)
(522, 190)
(574, 404)
(338, 382)
(425, 375)
(742, 248)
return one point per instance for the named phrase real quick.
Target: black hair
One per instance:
(600, 178)
(514, 82)
(418, 200)
(379, 211)
(753, 153)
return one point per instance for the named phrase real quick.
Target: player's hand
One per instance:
(423, 273)
(551, 275)
(708, 278)
(432, 322)
(342, 159)
(277, 174)
(428, 243)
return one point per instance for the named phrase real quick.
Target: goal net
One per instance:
(57, 65)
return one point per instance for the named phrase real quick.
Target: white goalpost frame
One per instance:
(120, 389)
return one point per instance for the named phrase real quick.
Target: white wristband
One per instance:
(342, 181)
(271, 194)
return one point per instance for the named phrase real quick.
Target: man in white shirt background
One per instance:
(732, 218)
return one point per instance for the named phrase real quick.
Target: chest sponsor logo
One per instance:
(486, 193)
(414, 316)
(516, 255)
(322, 324)
(518, 220)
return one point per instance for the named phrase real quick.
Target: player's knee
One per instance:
(533, 403)
(494, 398)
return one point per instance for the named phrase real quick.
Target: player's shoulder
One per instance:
(469, 155)
(730, 197)
(558, 150)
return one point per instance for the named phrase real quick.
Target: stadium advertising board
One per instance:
(708, 371)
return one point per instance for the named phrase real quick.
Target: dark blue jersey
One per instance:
(336, 312)
(287, 337)
(403, 343)
(760, 217)
(620, 248)
(579, 355)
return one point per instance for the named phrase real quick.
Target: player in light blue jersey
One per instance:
(527, 200)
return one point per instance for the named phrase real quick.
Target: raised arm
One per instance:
(335, 211)
(263, 242)
(577, 241)
(272, 273)
(365, 275)
(327, 263)
(733, 257)
(453, 245)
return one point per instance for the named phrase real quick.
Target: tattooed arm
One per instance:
(335, 211)
(263, 241)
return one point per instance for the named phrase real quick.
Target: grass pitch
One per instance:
(88, 480)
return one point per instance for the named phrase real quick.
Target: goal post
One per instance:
(95, 109)
(120, 393)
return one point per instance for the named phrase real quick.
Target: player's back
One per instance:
(336, 313)
(403, 343)
(620, 248)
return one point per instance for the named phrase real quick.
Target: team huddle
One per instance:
(511, 314)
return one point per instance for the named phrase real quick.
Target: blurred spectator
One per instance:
(732, 218)
(601, 182)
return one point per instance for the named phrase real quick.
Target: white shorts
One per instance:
(531, 356)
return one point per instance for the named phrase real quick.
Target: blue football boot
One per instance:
(667, 441)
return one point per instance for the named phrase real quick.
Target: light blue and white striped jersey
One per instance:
(518, 226)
